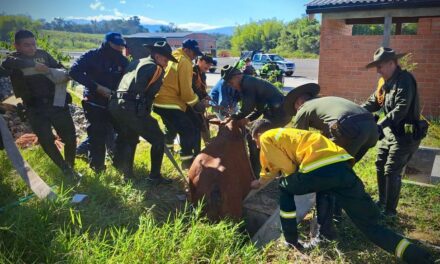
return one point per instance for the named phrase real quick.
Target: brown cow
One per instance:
(221, 174)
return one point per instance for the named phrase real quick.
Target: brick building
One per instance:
(344, 55)
(207, 43)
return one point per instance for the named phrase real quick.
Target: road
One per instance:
(306, 71)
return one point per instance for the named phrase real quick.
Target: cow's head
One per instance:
(230, 130)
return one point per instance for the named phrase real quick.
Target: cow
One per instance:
(221, 174)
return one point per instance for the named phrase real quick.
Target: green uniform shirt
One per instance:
(401, 104)
(33, 87)
(135, 82)
(258, 97)
(319, 112)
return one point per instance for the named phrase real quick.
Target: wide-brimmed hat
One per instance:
(163, 48)
(384, 54)
(228, 71)
(289, 101)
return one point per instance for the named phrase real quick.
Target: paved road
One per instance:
(306, 71)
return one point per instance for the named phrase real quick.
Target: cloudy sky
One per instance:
(193, 15)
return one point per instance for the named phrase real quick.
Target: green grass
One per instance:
(140, 223)
(73, 41)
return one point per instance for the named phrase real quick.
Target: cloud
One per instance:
(118, 13)
(97, 5)
(122, 1)
(194, 26)
(149, 6)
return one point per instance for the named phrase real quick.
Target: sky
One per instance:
(192, 15)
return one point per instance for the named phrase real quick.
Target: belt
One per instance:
(360, 117)
(127, 96)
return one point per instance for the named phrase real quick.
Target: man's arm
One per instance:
(185, 83)
(15, 63)
(144, 76)
(405, 95)
(79, 70)
(247, 105)
(301, 120)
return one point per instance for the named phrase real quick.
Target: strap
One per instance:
(155, 77)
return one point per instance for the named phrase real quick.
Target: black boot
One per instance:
(394, 183)
(324, 208)
(382, 189)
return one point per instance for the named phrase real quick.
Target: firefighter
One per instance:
(176, 99)
(347, 124)
(310, 162)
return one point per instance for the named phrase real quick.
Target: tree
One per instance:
(9, 24)
(256, 35)
(171, 27)
(300, 35)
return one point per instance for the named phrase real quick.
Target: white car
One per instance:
(259, 59)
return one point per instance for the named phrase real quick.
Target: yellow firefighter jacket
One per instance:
(176, 91)
(287, 150)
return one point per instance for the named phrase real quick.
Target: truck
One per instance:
(259, 58)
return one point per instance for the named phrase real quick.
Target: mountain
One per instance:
(222, 30)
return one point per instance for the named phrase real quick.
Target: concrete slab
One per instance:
(422, 165)
(262, 213)
(435, 173)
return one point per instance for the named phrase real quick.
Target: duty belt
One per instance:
(360, 117)
(127, 96)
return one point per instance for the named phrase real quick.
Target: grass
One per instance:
(140, 223)
(73, 41)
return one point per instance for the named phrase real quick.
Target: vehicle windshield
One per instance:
(276, 58)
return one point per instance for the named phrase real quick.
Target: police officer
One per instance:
(398, 97)
(258, 97)
(310, 162)
(131, 109)
(176, 98)
(344, 122)
(347, 124)
(100, 71)
(37, 92)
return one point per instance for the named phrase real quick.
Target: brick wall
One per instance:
(343, 57)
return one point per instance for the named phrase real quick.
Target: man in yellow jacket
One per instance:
(310, 163)
(176, 98)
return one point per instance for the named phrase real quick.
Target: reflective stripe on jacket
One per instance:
(288, 150)
(176, 91)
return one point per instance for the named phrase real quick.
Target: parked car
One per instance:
(214, 66)
(260, 59)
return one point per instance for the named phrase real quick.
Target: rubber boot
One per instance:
(393, 184)
(124, 159)
(324, 208)
(382, 189)
(416, 254)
